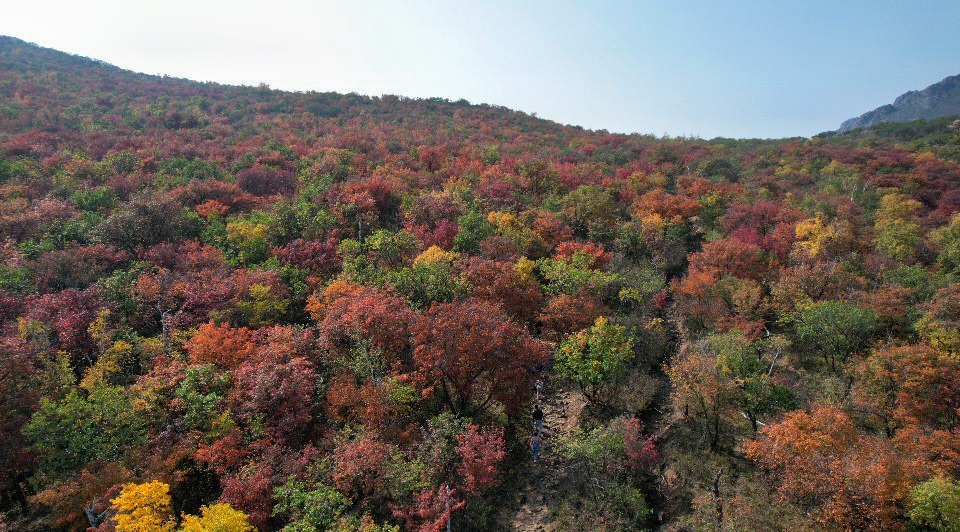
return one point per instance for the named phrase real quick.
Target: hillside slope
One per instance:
(36, 78)
(328, 312)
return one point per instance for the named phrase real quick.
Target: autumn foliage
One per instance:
(220, 345)
(245, 308)
(471, 356)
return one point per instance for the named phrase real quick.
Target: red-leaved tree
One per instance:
(481, 450)
(475, 355)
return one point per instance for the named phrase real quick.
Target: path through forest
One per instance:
(538, 498)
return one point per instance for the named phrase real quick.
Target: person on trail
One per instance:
(539, 388)
(535, 444)
(538, 419)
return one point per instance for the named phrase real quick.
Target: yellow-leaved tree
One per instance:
(896, 232)
(144, 508)
(821, 240)
(217, 518)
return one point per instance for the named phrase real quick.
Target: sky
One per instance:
(764, 69)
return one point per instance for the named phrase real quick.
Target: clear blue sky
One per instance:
(742, 69)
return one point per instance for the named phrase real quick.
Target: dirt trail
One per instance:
(538, 497)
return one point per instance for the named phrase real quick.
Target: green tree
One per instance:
(424, 284)
(592, 211)
(835, 330)
(250, 240)
(310, 506)
(201, 393)
(595, 356)
(935, 505)
(896, 232)
(473, 229)
(596, 458)
(262, 306)
(574, 274)
(98, 199)
(755, 392)
(369, 261)
(145, 221)
(80, 428)
(719, 167)
(949, 240)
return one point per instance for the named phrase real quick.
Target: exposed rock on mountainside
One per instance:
(937, 100)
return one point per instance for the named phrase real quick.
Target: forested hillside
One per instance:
(257, 309)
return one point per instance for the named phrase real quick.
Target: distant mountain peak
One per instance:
(937, 100)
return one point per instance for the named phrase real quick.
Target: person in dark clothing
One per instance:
(538, 419)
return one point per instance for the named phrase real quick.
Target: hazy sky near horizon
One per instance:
(734, 69)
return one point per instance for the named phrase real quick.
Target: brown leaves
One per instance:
(851, 480)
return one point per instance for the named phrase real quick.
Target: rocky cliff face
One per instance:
(937, 100)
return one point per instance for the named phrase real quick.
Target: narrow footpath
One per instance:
(538, 498)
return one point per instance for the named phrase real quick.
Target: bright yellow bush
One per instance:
(504, 221)
(143, 508)
(525, 268)
(218, 518)
(820, 240)
(435, 255)
(653, 225)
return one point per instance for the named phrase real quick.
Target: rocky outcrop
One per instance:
(937, 100)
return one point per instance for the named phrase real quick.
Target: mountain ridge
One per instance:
(936, 101)
(24, 57)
